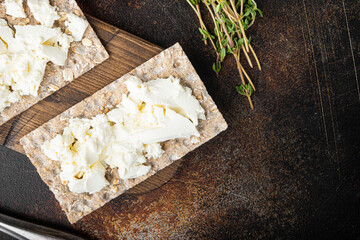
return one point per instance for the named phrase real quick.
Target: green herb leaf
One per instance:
(241, 89)
(244, 90)
(222, 54)
(214, 67)
(241, 41)
(217, 9)
(247, 12)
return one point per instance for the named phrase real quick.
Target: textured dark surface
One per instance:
(290, 169)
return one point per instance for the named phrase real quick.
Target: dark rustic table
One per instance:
(290, 169)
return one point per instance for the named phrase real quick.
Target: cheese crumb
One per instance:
(76, 26)
(15, 8)
(43, 12)
(3, 47)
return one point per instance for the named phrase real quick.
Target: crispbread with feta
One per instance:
(44, 45)
(126, 137)
(171, 62)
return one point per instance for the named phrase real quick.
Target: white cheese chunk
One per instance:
(23, 58)
(172, 95)
(6, 34)
(153, 150)
(30, 70)
(24, 55)
(24, 73)
(56, 49)
(76, 25)
(172, 125)
(3, 47)
(54, 54)
(91, 181)
(126, 137)
(3, 22)
(4, 96)
(59, 147)
(43, 12)
(31, 36)
(15, 8)
(7, 97)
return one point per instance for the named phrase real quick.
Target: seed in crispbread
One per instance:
(87, 208)
(213, 109)
(68, 75)
(87, 42)
(53, 87)
(114, 188)
(77, 12)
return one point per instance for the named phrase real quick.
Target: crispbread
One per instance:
(171, 61)
(82, 57)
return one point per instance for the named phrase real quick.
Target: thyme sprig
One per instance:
(230, 18)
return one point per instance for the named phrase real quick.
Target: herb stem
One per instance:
(247, 56)
(240, 69)
(216, 26)
(230, 15)
(198, 14)
(241, 7)
(240, 24)
(201, 22)
(224, 28)
(256, 58)
(248, 78)
(238, 64)
(231, 18)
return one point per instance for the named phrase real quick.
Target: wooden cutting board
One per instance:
(126, 52)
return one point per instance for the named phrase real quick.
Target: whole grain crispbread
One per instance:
(83, 56)
(171, 61)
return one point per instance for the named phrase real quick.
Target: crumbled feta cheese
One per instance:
(6, 34)
(15, 8)
(76, 25)
(126, 137)
(93, 181)
(43, 12)
(26, 71)
(3, 47)
(56, 49)
(7, 97)
(3, 22)
(153, 150)
(23, 58)
(24, 55)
